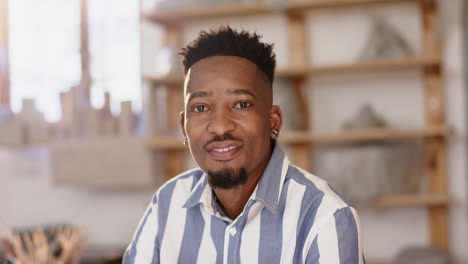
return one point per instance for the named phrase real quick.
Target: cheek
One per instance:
(193, 128)
(257, 129)
(197, 137)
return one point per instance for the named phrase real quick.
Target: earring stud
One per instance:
(275, 132)
(185, 141)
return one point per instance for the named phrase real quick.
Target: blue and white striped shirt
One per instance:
(291, 217)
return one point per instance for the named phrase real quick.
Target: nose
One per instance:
(221, 123)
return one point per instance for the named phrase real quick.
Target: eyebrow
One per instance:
(241, 91)
(199, 94)
(234, 91)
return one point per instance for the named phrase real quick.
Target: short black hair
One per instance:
(228, 41)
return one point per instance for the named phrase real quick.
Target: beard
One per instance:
(227, 178)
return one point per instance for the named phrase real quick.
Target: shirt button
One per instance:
(233, 231)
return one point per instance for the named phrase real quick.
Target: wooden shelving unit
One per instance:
(433, 134)
(303, 72)
(185, 15)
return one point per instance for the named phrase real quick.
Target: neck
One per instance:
(233, 200)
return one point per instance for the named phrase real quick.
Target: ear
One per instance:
(182, 122)
(276, 120)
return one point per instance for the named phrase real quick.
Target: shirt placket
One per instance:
(233, 231)
(232, 236)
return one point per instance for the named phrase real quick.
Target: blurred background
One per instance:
(372, 94)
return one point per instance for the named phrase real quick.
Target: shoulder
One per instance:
(319, 193)
(182, 184)
(331, 211)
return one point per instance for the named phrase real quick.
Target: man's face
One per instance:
(228, 118)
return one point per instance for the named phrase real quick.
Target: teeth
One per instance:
(225, 149)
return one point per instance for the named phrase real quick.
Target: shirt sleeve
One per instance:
(338, 240)
(143, 249)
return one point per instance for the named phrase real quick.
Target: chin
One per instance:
(227, 178)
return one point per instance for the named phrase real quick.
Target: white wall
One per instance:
(455, 114)
(29, 196)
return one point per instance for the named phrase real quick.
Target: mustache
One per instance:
(224, 137)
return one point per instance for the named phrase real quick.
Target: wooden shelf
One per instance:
(312, 4)
(171, 16)
(413, 200)
(175, 16)
(356, 136)
(372, 65)
(173, 143)
(383, 64)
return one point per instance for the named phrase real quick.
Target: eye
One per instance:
(242, 105)
(199, 108)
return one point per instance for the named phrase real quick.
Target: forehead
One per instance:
(222, 72)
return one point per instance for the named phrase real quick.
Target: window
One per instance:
(115, 52)
(44, 52)
(45, 59)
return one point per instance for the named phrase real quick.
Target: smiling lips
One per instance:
(223, 150)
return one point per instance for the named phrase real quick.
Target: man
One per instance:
(246, 203)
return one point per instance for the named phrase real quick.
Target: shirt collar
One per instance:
(201, 190)
(271, 183)
(268, 189)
